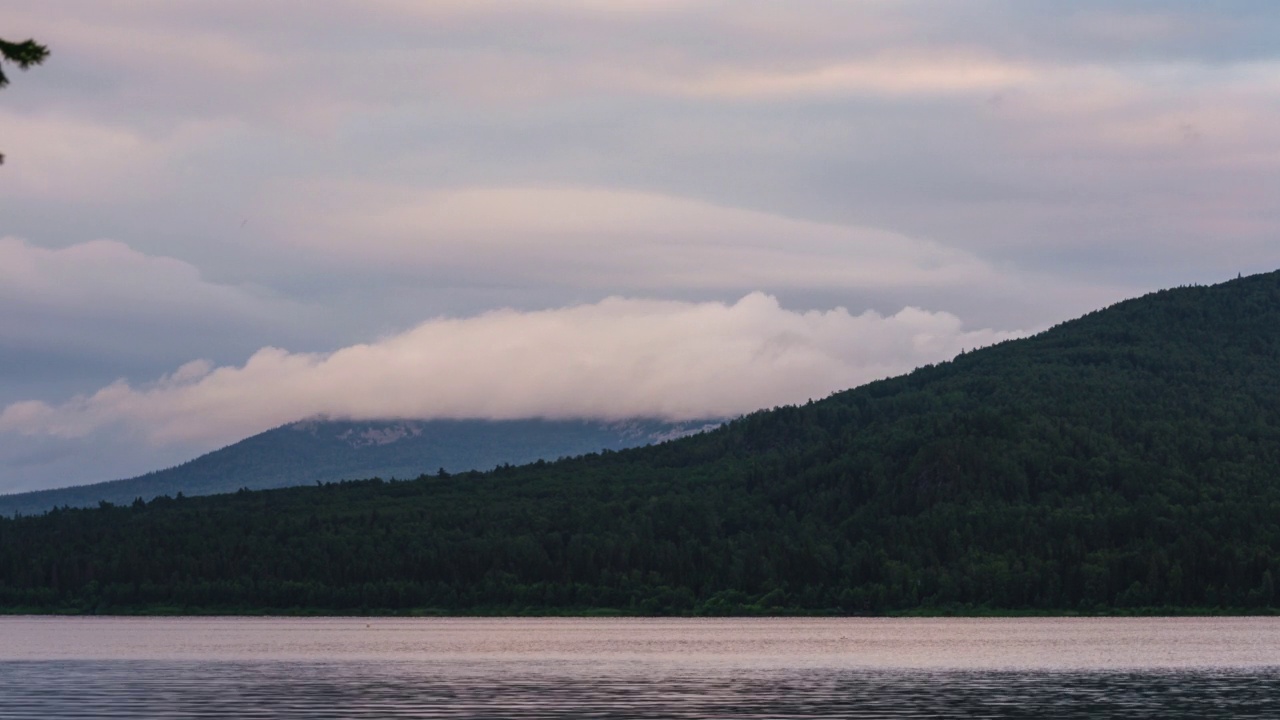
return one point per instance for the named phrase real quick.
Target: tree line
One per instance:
(1122, 462)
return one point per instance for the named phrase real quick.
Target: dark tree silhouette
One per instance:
(1124, 462)
(23, 54)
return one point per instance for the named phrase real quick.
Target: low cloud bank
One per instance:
(616, 358)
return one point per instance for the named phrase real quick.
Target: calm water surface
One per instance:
(586, 668)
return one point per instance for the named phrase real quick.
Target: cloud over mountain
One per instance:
(206, 180)
(616, 358)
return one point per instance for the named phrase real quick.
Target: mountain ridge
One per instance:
(321, 449)
(1124, 461)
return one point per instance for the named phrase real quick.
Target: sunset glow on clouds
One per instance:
(215, 217)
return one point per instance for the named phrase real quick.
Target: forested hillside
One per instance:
(1129, 459)
(311, 451)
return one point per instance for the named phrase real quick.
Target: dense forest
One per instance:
(1126, 461)
(321, 450)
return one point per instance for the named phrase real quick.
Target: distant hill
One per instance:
(311, 451)
(1126, 461)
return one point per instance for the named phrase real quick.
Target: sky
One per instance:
(220, 216)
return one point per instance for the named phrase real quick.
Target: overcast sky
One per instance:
(216, 217)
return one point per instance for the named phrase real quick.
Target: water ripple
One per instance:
(166, 689)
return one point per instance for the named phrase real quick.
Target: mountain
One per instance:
(1126, 461)
(311, 451)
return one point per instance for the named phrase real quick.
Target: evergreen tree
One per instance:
(23, 54)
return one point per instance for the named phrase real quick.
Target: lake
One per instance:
(638, 668)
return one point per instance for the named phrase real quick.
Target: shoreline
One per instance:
(590, 613)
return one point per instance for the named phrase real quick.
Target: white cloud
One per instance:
(609, 239)
(616, 358)
(100, 309)
(56, 157)
(1012, 165)
(102, 279)
(900, 73)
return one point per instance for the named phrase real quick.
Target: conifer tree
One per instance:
(23, 54)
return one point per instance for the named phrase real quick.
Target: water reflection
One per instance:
(146, 689)
(565, 668)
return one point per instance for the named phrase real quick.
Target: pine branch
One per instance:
(23, 54)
